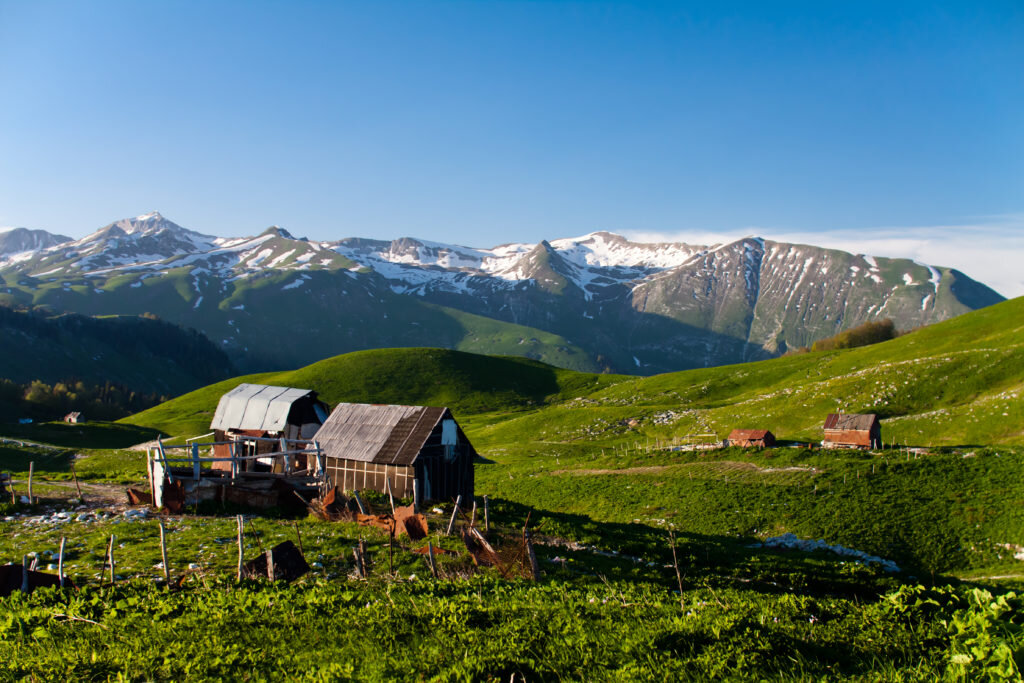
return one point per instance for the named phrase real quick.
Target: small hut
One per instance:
(851, 430)
(389, 446)
(74, 418)
(253, 415)
(751, 438)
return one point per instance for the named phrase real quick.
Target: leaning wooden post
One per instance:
(359, 502)
(487, 519)
(391, 496)
(110, 558)
(270, 564)
(416, 496)
(31, 470)
(455, 512)
(534, 567)
(298, 537)
(472, 516)
(24, 573)
(78, 486)
(163, 552)
(430, 559)
(241, 545)
(60, 561)
(359, 562)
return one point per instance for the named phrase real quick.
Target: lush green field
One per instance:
(610, 611)
(493, 630)
(588, 458)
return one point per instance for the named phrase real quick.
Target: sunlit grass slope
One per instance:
(957, 382)
(467, 383)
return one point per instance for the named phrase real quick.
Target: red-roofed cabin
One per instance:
(850, 430)
(751, 438)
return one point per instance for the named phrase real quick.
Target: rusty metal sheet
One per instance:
(11, 579)
(289, 563)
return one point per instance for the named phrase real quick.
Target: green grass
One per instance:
(467, 383)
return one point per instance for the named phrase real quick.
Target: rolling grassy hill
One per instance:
(468, 383)
(959, 382)
(595, 446)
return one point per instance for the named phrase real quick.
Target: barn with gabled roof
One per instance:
(751, 438)
(390, 446)
(852, 430)
(250, 417)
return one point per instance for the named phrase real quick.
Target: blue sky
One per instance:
(488, 122)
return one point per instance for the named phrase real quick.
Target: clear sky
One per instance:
(487, 122)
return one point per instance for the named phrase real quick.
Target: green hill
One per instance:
(956, 382)
(468, 383)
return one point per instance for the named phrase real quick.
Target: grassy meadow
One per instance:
(590, 462)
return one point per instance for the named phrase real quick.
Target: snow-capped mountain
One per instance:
(593, 302)
(22, 242)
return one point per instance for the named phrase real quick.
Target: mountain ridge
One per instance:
(638, 307)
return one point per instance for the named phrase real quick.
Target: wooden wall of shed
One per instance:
(854, 437)
(355, 475)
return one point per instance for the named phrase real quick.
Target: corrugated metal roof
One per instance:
(256, 406)
(850, 421)
(747, 434)
(378, 433)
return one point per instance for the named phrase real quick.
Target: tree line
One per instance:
(41, 401)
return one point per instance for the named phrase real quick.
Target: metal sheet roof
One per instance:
(256, 406)
(850, 421)
(378, 433)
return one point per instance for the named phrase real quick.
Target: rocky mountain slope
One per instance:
(597, 302)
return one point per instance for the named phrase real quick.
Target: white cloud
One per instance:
(991, 251)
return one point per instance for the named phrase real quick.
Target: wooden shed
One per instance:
(851, 430)
(751, 438)
(250, 416)
(74, 417)
(374, 446)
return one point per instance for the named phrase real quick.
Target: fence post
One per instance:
(241, 545)
(270, 564)
(286, 465)
(455, 513)
(416, 496)
(430, 558)
(487, 519)
(24, 573)
(163, 552)
(31, 471)
(60, 561)
(110, 557)
(195, 461)
(534, 567)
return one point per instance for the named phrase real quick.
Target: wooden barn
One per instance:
(374, 446)
(851, 430)
(751, 438)
(251, 417)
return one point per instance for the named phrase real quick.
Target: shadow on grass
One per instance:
(85, 435)
(638, 552)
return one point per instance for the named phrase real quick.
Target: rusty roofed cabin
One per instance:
(851, 430)
(366, 446)
(250, 415)
(751, 438)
